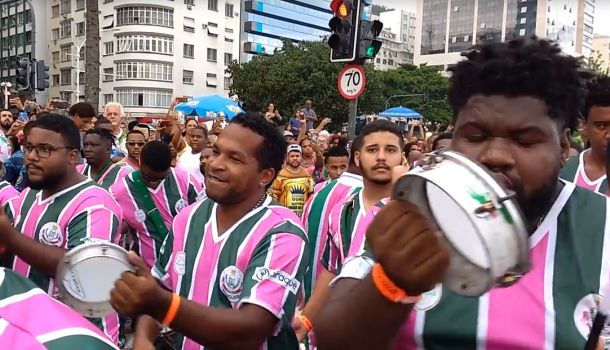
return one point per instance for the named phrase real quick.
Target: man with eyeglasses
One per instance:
(59, 209)
(152, 196)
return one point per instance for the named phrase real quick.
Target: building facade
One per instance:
(601, 50)
(150, 51)
(398, 37)
(267, 23)
(445, 28)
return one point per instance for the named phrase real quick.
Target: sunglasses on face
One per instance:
(136, 144)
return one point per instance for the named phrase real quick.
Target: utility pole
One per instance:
(77, 69)
(92, 53)
(351, 119)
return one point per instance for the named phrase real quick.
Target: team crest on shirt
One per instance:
(180, 263)
(201, 196)
(232, 283)
(50, 234)
(585, 312)
(430, 298)
(181, 204)
(140, 215)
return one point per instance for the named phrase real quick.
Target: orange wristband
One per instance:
(306, 322)
(172, 311)
(389, 290)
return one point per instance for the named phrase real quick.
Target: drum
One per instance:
(87, 275)
(481, 223)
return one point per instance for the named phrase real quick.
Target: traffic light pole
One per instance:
(351, 119)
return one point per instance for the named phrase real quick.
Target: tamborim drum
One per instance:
(480, 221)
(87, 275)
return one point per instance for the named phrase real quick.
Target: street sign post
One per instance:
(352, 81)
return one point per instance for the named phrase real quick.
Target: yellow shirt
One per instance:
(292, 190)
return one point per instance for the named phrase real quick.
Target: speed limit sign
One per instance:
(352, 81)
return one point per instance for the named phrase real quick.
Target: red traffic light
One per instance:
(342, 8)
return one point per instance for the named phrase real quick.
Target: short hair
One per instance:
(6, 110)
(598, 94)
(442, 136)
(14, 143)
(356, 146)
(272, 152)
(335, 151)
(83, 109)
(521, 67)
(187, 120)
(132, 124)
(101, 120)
(156, 155)
(167, 138)
(117, 105)
(203, 129)
(381, 125)
(61, 125)
(135, 132)
(104, 134)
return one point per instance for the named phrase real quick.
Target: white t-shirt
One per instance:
(5, 149)
(189, 162)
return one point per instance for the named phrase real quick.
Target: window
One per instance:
(81, 54)
(81, 78)
(144, 71)
(55, 55)
(229, 10)
(522, 32)
(108, 48)
(228, 58)
(55, 11)
(189, 24)
(66, 51)
(212, 55)
(229, 30)
(454, 39)
(189, 51)
(211, 80)
(456, 9)
(65, 29)
(189, 2)
(522, 20)
(108, 22)
(227, 83)
(80, 28)
(108, 98)
(523, 9)
(108, 74)
(65, 95)
(187, 77)
(145, 43)
(466, 39)
(66, 76)
(55, 33)
(55, 79)
(213, 5)
(134, 97)
(80, 5)
(65, 6)
(156, 16)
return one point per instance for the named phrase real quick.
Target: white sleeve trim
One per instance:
(357, 267)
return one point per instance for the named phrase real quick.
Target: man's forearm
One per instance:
(43, 257)
(147, 329)
(320, 294)
(358, 317)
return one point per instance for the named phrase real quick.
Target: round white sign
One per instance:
(352, 80)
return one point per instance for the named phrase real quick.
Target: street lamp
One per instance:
(6, 85)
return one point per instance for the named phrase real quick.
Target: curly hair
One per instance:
(104, 134)
(598, 94)
(272, 151)
(522, 67)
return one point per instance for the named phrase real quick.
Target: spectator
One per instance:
(310, 114)
(289, 137)
(294, 124)
(14, 167)
(82, 114)
(144, 129)
(272, 114)
(114, 112)
(309, 156)
(442, 141)
(336, 161)
(189, 161)
(293, 184)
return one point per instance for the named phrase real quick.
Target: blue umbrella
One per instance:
(208, 107)
(400, 112)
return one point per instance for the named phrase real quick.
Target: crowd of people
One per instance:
(265, 233)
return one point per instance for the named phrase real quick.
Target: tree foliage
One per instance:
(303, 71)
(596, 64)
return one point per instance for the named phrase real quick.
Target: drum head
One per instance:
(88, 274)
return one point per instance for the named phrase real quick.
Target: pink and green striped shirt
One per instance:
(109, 177)
(8, 199)
(260, 260)
(31, 319)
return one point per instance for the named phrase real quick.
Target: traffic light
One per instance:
(42, 75)
(23, 74)
(344, 26)
(368, 42)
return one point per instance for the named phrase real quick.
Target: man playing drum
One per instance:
(514, 104)
(237, 256)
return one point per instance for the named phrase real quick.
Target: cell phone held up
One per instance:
(23, 116)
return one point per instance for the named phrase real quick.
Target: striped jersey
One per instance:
(551, 307)
(260, 260)
(67, 219)
(574, 171)
(8, 199)
(347, 222)
(60, 328)
(109, 177)
(315, 219)
(174, 193)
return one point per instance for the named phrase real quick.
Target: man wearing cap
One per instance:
(289, 137)
(293, 184)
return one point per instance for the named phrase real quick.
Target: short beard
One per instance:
(49, 181)
(536, 205)
(365, 175)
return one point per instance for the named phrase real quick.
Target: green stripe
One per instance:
(139, 203)
(347, 224)
(77, 342)
(192, 193)
(452, 324)
(172, 192)
(14, 284)
(111, 177)
(578, 256)
(4, 184)
(568, 172)
(77, 229)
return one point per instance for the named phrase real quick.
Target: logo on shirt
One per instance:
(180, 263)
(140, 215)
(231, 283)
(584, 314)
(278, 276)
(430, 298)
(181, 204)
(201, 196)
(50, 234)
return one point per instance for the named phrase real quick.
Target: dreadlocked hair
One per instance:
(104, 134)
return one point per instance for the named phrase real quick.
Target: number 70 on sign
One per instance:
(351, 82)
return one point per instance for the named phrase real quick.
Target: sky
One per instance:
(601, 23)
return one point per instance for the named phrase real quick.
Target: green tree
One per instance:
(596, 64)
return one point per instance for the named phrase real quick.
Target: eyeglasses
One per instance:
(136, 144)
(43, 150)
